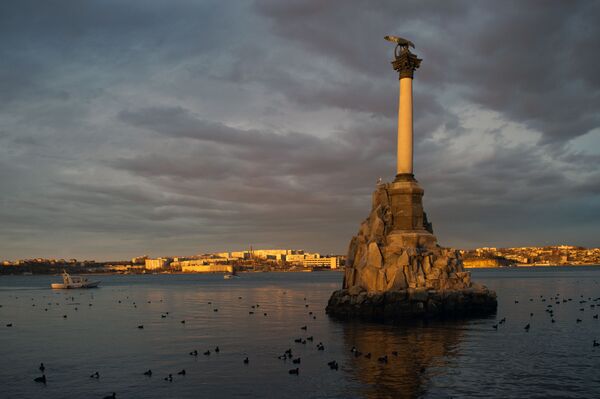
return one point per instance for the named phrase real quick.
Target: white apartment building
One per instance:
(332, 262)
(158, 263)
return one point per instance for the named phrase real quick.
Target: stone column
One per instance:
(408, 226)
(405, 64)
(405, 128)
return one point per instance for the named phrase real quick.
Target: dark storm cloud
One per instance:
(179, 122)
(175, 127)
(534, 62)
(50, 49)
(254, 153)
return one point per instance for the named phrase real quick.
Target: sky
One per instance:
(179, 127)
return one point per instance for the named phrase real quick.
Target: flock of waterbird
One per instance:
(288, 354)
(553, 302)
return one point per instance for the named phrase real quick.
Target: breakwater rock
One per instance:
(410, 304)
(395, 268)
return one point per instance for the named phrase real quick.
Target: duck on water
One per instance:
(231, 275)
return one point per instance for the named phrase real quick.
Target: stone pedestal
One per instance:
(405, 200)
(394, 262)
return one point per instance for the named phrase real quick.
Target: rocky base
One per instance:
(411, 304)
(396, 250)
(396, 271)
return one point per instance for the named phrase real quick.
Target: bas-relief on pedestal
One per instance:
(395, 268)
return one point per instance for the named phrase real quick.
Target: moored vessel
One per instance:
(71, 282)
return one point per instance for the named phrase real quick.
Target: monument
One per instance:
(395, 269)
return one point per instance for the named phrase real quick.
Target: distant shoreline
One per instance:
(520, 266)
(339, 270)
(111, 273)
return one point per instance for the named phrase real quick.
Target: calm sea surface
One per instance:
(444, 359)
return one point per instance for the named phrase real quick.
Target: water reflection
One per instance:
(421, 350)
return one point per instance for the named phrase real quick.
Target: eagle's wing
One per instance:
(399, 40)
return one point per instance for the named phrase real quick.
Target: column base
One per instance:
(405, 177)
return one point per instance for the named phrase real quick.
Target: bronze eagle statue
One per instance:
(400, 41)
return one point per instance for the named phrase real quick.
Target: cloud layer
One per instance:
(182, 127)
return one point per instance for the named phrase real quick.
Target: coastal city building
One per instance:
(199, 268)
(292, 259)
(300, 258)
(197, 262)
(557, 255)
(158, 263)
(265, 254)
(329, 262)
(276, 259)
(139, 260)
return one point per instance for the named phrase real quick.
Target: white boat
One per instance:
(70, 282)
(230, 276)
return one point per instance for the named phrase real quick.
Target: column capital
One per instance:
(405, 62)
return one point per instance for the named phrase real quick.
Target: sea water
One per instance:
(259, 316)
